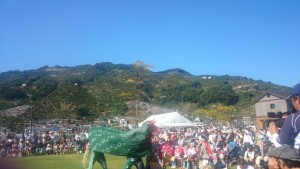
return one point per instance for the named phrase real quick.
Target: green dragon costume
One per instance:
(133, 144)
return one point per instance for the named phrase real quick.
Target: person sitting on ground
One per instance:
(249, 155)
(48, 149)
(242, 164)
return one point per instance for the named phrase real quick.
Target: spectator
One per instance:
(242, 164)
(284, 157)
(39, 147)
(48, 149)
(249, 156)
(247, 139)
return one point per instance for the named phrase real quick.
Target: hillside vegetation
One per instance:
(105, 89)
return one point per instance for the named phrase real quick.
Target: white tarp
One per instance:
(172, 119)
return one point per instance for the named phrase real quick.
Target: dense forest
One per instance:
(101, 90)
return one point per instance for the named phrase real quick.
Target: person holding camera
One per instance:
(289, 133)
(286, 154)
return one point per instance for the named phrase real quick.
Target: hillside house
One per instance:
(270, 102)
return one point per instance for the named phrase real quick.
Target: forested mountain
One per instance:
(103, 89)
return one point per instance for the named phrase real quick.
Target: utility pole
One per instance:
(31, 120)
(136, 111)
(137, 97)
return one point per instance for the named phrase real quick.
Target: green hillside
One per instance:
(102, 90)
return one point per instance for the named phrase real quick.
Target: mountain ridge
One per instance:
(103, 89)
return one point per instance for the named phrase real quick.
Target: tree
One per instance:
(44, 87)
(140, 68)
(13, 93)
(219, 93)
(82, 112)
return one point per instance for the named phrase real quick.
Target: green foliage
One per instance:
(13, 123)
(6, 105)
(103, 89)
(13, 93)
(82, 112)
(179, 89)
(118, 109)
(44, 87)
(218, 112)
(219, 93)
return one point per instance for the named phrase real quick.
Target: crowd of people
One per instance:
(185, 147)
(249, 148)
(192, 147)
(13, 146)
(179, 147)
(207, 146)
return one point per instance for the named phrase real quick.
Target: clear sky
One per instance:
(258, 39)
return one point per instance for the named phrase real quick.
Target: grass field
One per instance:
(67, 161)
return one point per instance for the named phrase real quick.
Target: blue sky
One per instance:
(252, 38)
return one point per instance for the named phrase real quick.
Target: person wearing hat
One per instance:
(284, 157)
(289, 133)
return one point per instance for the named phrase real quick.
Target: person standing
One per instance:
(247, 141)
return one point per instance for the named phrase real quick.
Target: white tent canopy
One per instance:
(172, 119)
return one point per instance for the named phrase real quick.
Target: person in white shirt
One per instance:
(212, 137)
(247, 141)
(249, 155)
